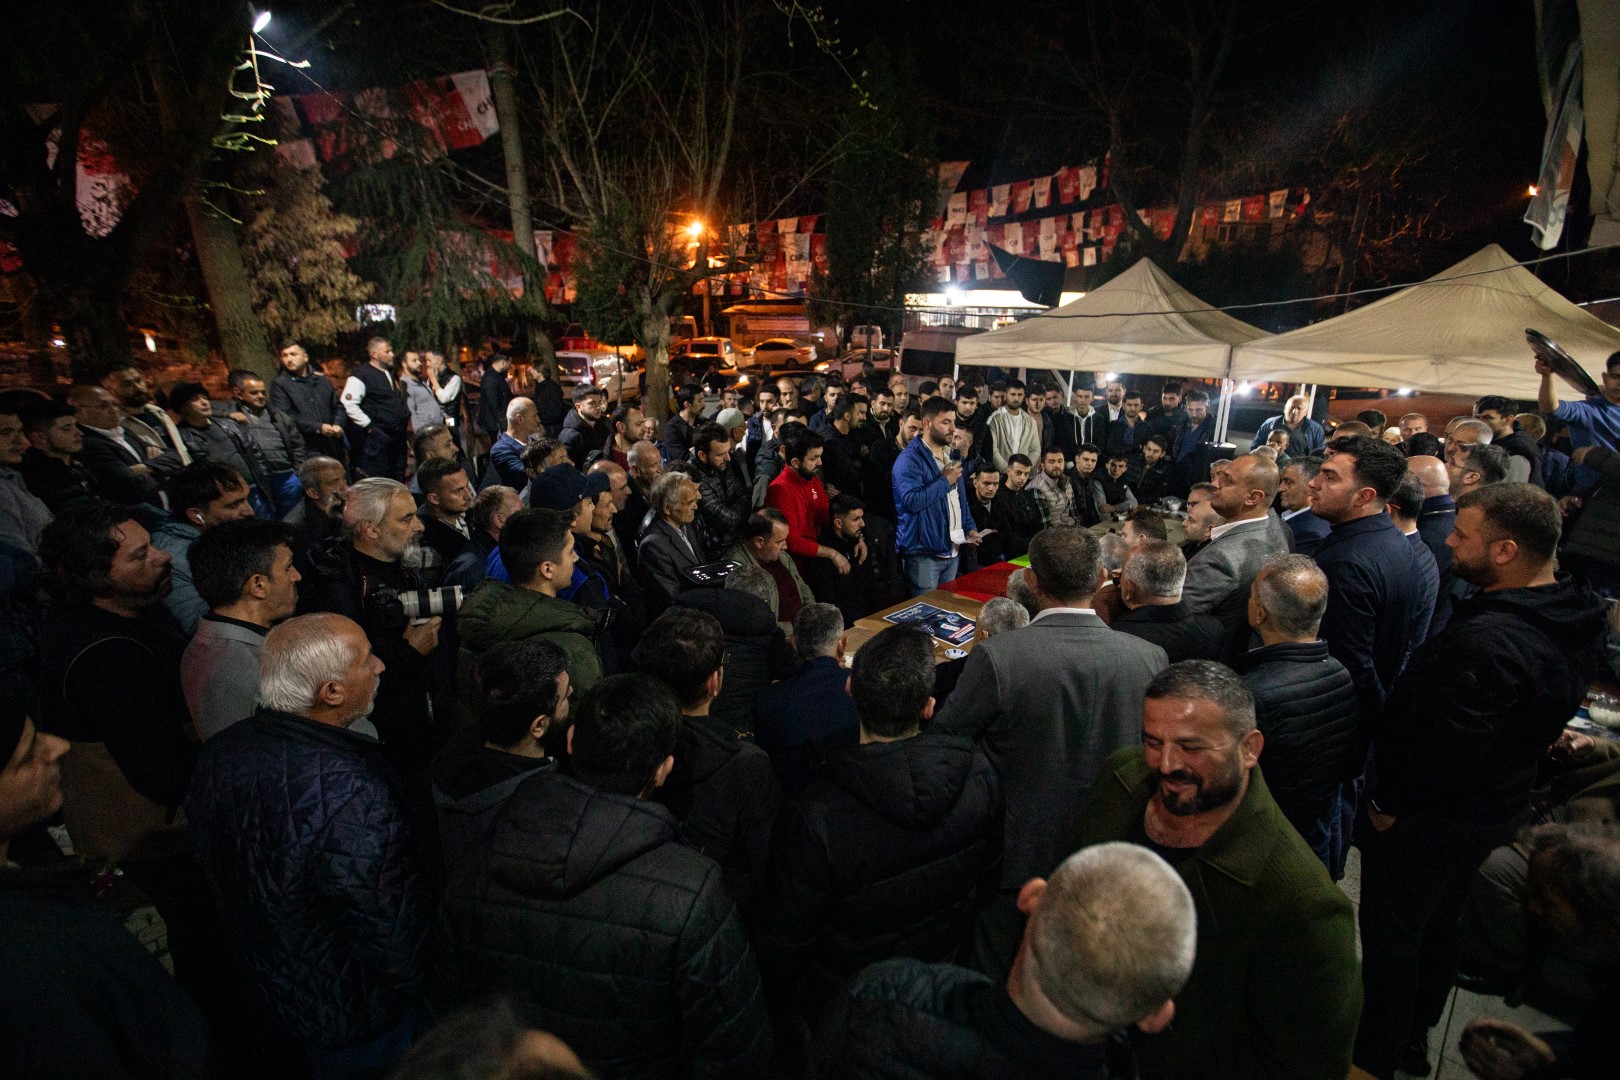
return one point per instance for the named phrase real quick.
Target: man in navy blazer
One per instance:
(1308, 527)
(1379, 601)
(799, 720)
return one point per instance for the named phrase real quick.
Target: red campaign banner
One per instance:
(808, 224)
(1254, 208)
(1022, 192)
(1068, 182)
(1209, 214)
(956, 245)
(994, 236)
(818, 251)
(979, 206)
(1116, 218)
(1163, 222)
(765, 228)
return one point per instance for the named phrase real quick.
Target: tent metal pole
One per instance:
(1224, 414)
(1068, 397)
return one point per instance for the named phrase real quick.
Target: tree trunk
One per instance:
(85, 294)
(655, 342)
(219, 256)
(504, 93)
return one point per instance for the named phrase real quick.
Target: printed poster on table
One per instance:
(950, 627)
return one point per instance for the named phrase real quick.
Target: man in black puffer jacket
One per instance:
(1108, 945)
(1305, 705)
(757, 652)
(597, 922)
(1455, 753)
(723, 790)
(298, 823)
(724, 500)
(896, 848)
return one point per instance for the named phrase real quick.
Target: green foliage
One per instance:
(877, 202)
(427, 259)
(293, 247)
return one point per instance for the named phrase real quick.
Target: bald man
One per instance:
(1439, 511)
(1220, 574)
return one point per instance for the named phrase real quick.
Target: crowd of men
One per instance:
(331, 714)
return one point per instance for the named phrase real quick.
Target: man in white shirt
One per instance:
(1013, 430)
(1220, 575)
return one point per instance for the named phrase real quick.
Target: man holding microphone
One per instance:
(931, 502)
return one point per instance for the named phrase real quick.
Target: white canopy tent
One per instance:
(1459, 332)
(1139, 323)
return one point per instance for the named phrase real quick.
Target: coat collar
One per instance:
(1290, 652)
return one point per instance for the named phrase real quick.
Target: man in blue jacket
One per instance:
(931, 502)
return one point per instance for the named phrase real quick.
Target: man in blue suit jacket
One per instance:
(931, 502)
(1308, 527)
(798, 721)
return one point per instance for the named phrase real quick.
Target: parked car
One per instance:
(710, 350)
(779, 352)
(610, 371)
(853, 364)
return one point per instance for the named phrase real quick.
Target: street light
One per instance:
(695, 230)
(261, 19)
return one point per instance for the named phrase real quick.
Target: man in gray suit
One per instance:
(1220, 574)
(669, 543)
(1048, 703)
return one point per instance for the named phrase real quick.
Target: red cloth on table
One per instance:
(984, 583)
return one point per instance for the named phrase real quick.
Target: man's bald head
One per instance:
(1245, 488)
(1431, 473)
(1289, 598)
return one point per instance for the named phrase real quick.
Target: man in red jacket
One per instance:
(798, 493)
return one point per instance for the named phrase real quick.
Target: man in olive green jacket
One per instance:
(1275, 989)
(537, 548)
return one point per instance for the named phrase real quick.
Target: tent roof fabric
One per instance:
(1459, 332)
(1139, 323)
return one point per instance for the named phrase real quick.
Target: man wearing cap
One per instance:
(565, 489)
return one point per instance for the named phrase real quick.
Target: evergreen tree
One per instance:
(294, 249)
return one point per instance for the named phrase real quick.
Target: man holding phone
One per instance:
(931, 502)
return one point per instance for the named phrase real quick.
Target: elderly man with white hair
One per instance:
(1109, 944)
(305, 842)
(352, 576)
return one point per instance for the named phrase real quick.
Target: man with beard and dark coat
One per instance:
(489, 513)
(894, 848)
(646, 466)
(983, 485)
(50, 466)
(724, 500)
(447, 495)
(378, 418)
(494, 395)
(308, 396)
(586, 875)
(379, 527)
(586, 429)
(110, 685)
(1377, 608)
(722, 789)
(878, 476)
(1192, 438)
(1305, 705)
(1456, 748)
(1524, 456)
(80, 994)
(873, 579)
(1108, 946)
(1014, 514)
(548, 400)
(300, 825)
(1273, 990)
(844, 457)
(519, 694)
